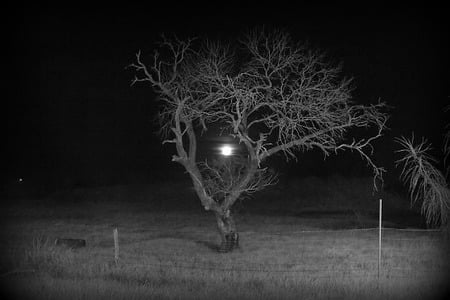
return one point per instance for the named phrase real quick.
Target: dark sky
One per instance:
(72, 113)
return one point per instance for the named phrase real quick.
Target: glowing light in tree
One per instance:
(226, 150)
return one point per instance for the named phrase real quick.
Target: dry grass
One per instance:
(169, 254)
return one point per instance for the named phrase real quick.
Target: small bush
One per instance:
(425, 182)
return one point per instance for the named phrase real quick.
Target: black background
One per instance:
(73, 118)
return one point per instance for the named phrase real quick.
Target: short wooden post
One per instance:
(116, 245)
(379, 237)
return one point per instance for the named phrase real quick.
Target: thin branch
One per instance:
(274, 95)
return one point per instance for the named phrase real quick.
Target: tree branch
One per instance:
(274, 95)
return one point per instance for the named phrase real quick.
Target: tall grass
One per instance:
(166, 261)
(44, 254)
(170, 254)
(425, 182)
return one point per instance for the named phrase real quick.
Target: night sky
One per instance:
(73, 117)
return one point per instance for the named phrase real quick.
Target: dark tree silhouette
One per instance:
(273, 95)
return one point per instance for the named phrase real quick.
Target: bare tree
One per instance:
(271, 94)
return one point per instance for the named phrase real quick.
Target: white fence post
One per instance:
(379, 237)
(116, 245)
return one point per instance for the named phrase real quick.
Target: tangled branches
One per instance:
(223, 176)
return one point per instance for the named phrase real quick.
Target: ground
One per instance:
(167, 250)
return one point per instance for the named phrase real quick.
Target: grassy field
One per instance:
(167, 251)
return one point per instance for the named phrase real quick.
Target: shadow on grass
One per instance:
(191, 238)
(208, 244)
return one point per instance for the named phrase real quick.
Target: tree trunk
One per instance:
(227, 230)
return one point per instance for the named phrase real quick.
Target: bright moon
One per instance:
(226, 150)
